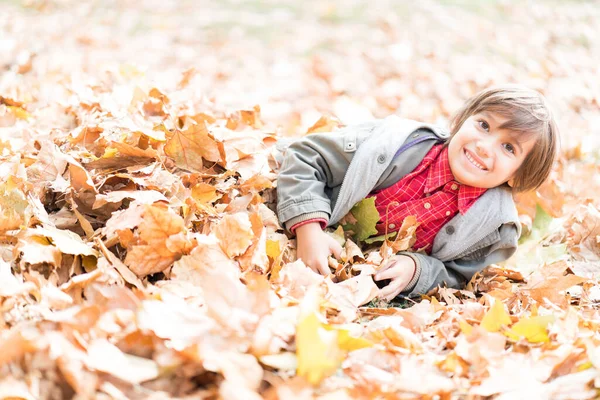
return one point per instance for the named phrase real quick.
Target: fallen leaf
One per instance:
(151, 252)
(66, 241)
(235, 233)
(534, 329)
(106, 357)
(190, 147)
(495, 318)
(366, 216)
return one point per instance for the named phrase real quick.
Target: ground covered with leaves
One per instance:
(141, 258)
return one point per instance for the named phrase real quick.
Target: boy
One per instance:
(458, 185)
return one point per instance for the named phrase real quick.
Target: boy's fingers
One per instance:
(390, 263)
(388, 273)
(335, 248)
(323, 268)
(390, 291)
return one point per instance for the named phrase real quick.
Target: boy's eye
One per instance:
(509, 147)
(484, 125)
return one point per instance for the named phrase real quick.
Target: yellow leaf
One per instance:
(273, 249)
(205, 193)
(465, 327)
(19, 112)
(316, 349)
(495, 318)
(351, 343)
(534, 329)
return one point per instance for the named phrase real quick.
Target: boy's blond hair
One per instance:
(528, 114)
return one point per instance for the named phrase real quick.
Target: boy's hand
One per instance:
(314, 246)
(400, 269)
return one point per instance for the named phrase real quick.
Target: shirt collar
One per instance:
(441, 174)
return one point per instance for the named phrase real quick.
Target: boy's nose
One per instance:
(482, 149)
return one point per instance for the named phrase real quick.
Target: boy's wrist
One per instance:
(307, 228)
(320, 216)
(416, 272)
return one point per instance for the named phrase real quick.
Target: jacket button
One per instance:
(450, 230)
(381, 158)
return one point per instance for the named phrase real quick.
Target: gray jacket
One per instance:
(323, 175)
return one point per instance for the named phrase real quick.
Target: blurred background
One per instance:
(299, 60)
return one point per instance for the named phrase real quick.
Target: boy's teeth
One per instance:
(474, 162)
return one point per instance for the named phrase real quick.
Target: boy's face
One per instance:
(482, 155)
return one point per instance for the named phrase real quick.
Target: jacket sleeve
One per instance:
(457, 273)
(311, 168)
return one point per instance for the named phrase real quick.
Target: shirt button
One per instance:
(381, 158)
(454, 186)
(427, 205)
(391, 226)
(448, 213)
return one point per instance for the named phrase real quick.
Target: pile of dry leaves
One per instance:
(141, 258)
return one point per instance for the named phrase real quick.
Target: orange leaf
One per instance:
(156, 249)
(188, 148)
(235, 233)
(324, 124)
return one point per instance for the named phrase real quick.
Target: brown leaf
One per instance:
(549, 283)
(121, 155)
(190, 147)
(324, 124)
(150, 253)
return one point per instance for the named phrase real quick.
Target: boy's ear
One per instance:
(511, 182)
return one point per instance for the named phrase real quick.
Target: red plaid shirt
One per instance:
(429, 193)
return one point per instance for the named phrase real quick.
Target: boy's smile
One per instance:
(484, 155)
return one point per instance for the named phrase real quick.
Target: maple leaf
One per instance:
(157, 245)
(190, 147)
(366, 216)
(235, 233)
(550, 283)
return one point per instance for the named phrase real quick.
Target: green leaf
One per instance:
(366, 216)
(338, 235)
(540, 225)
(531, 252)
(380, 238)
